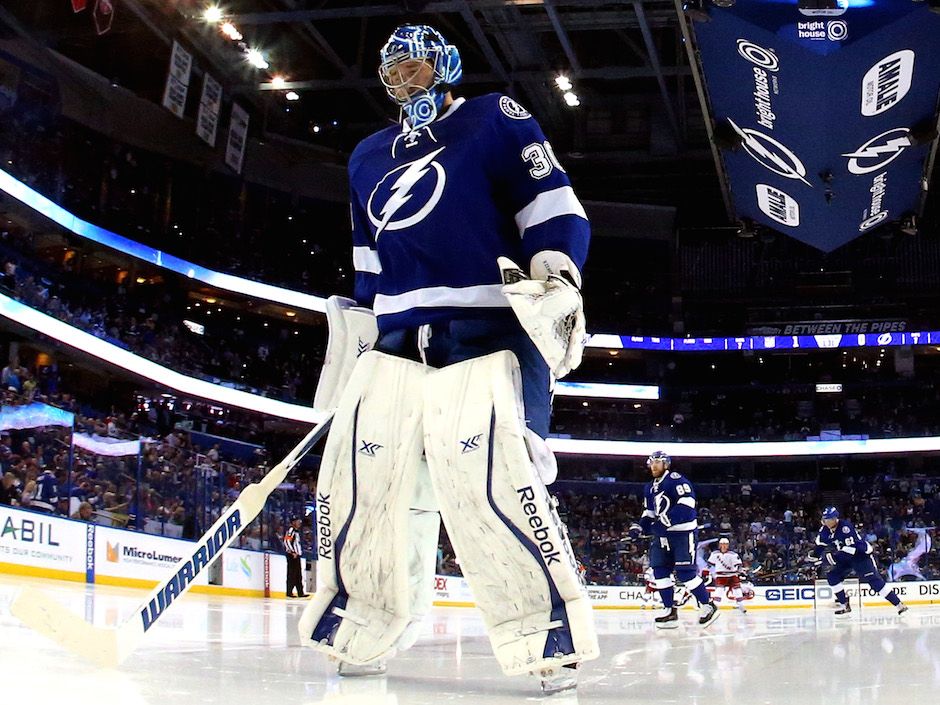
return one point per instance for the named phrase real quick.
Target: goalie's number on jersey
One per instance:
(543, 159)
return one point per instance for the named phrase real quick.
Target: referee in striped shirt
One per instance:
(294, 551)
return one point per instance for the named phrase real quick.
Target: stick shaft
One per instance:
(209, 547)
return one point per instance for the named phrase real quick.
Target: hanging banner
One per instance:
(207, 121)
(825, 116)
(101, 445)
(177, 80)
(237, 137)
(33, 415)
(79, 5)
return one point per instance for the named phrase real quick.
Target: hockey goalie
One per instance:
(468, 242)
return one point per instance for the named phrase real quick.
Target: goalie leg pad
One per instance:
(365, 493)
(512, 546)
(423, 533)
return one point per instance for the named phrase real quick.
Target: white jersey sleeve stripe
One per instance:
(365, 259)
(481, 296)
(548, 205)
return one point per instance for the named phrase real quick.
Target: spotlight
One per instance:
(212, 14)
(563, 82)
(572, 100)
(292, 95)
(230, 31)
(256, 59)
(278, 82)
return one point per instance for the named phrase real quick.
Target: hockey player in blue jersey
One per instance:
(468, 242)
(850, 554)
(670, 515)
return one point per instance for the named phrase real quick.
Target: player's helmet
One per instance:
(659, 455)
(419, 42)
(724, 541)
(830, 513)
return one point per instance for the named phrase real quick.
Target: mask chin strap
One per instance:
(421, 109)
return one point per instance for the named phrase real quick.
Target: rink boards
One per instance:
(39, 545)
(455, 592)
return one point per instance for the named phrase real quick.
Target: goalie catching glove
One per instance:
(549, 307)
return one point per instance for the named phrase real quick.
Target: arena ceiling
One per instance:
(638, 135)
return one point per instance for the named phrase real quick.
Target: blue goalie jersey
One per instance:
(432, 209)
(669, 505)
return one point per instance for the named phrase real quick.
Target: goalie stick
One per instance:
(110, 646)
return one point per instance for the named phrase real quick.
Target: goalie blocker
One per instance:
(377, 550)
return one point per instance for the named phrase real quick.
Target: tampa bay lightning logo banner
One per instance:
(826, 110)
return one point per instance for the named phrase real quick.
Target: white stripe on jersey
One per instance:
(481, 296)
(365, 259)
(548, 205)
(725, 563)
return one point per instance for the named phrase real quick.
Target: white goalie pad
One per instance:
(352, 331)
(552, 313)
(513, 548)
(376, 524)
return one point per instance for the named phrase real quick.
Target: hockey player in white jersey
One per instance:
(468, 242)
(726, 567)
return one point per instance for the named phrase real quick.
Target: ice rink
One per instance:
(236, 650)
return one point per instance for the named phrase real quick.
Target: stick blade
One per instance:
(44, 615)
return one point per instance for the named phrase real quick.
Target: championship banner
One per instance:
(207, 121)
(825, 117)
(237, 138)
(177, 80)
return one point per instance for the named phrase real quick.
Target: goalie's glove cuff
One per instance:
(550, 311)
(548, 263)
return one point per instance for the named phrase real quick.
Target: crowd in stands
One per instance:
(773, 531)
(213, 219)
(269, 356)
(174, 488)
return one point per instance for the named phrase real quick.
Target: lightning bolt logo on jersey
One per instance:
(386, 206)
(433, 209)
(670, 503)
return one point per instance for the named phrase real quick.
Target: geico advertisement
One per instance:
(448, 589)
(31, 538)
(127, 554)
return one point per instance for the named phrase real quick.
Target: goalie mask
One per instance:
(417, 68)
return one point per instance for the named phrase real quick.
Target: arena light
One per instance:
(256, 59)
(758, 449)
(563, 82)
(110, 353)
(278, 82)
(220, 280)
(606, 391)
(572, 100)
(292, 95)
(212, 14)
(231, 31)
